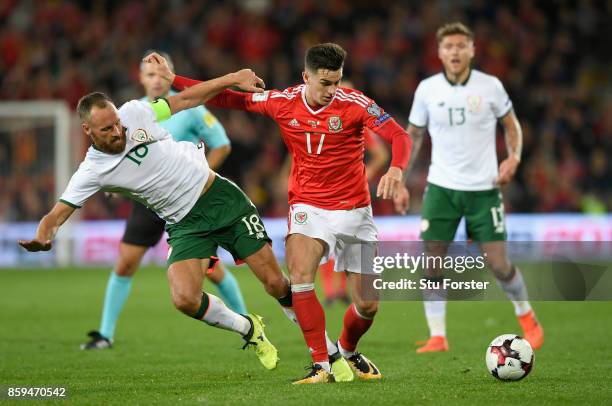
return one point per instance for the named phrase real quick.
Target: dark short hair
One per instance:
(453, 29)
(325, 56)
(162, 53)
(87, 102)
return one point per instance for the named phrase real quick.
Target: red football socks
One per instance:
(312, 322)
(353, 328)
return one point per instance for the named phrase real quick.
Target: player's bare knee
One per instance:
(185, 303)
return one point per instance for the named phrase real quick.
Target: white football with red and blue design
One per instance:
(509, 357)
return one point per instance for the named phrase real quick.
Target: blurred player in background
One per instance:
(460, 108)
(132, 155)
(144, 228)
(330, 214)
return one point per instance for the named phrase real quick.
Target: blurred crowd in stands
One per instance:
(552, 56)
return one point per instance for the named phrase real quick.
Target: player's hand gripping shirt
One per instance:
(165, 175)
(461, 120)
(327, 144)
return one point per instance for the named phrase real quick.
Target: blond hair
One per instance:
(453, 29)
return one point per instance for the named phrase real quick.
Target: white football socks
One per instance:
(435, 312)
(517, 292)
(331, 346)
(220, 316)
(345, 353)
(434, 301)
(290, 314)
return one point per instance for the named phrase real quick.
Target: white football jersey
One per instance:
(461, 120)
(165, 175)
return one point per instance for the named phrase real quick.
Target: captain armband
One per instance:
(161, 108)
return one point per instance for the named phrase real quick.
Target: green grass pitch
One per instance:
(163, 357)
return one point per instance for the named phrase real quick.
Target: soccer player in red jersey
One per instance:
(323, 126)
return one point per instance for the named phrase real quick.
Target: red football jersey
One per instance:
(327, 145)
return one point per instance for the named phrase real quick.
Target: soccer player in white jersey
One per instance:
(460, 109)
(144, 229)
(133, 155)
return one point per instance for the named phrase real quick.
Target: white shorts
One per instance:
(347, 233)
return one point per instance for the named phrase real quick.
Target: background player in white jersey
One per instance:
(460, 108)
(144, 229)
(131, 154)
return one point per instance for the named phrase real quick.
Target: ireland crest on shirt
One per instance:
(140, 135)
(473, 102)
(334, 124)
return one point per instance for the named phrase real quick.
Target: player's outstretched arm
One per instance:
(514, 144)
(47, 228)
(226, 99)
(244, 79)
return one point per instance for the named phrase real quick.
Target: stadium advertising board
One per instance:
(96, 242)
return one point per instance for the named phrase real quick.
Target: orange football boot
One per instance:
(532, 329)
(434, 344)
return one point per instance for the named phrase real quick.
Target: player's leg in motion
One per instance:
(442, 211)
(227, 287)
(264, 265)
(357, 321)
(117, 292)
(434, 301)
(511, 281)
(303, 255)
(185, 278)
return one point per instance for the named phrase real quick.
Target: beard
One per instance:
(114, 147)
